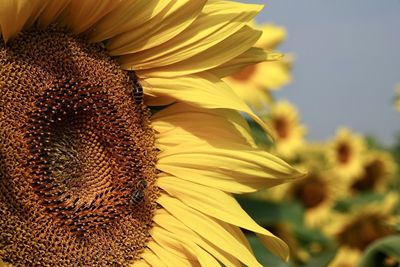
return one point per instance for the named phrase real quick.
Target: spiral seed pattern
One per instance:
(74, 147)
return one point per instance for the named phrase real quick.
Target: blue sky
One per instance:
(347, 62)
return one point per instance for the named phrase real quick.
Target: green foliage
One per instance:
(346, 205)
(379, 251)
(267, 212)
(265, 257)
(259, 135)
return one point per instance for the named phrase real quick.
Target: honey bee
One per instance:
(137, 91)
(138, 194)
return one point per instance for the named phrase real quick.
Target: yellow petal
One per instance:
(209, 228)
(273, 75)
(170, 259)
(51, 12)
(140, 263)
(218, 21)
(251, 56)
(222, 206)
(173, 243)
(17, 14)
(236, 169)
(176, 17)
(272, 36)
(203, 91)
(180, 123)
(177, 229)
(152, 259)
(198, 255)
(126, 18)
(81, 15)
(216, 55)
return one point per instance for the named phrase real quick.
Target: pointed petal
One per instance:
(17, 14)
(177, 228)
(126, 18)
(180, 123)
(152, 259)
(220, 205)
(202, 91)
(210, 228)
(216, 55)
(252, 56)
(52, 11)
(176, 17)
(217, 22)
(170, 259)
(81, 15)
(236, 169)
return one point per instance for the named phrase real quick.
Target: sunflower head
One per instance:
(378, 168)
(364, 224)
(76, 151)
(254, 82)
(88, 175)
(289, 132)
(345, 153)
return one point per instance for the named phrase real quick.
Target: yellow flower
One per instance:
(88, 175)
(378, 169)
(316, 192)
(346, 257)
(254, 82)
(345, 153)
(363, 225)
(283, 117)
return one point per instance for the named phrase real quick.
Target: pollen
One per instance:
(77, 155)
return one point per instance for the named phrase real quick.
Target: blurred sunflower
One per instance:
(345, 153)
(363, 225)
(378, 169)
(316, 192)
(289, 133)
(346, 257)
(254, 82)
(88, 175)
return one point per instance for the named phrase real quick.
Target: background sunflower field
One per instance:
(346, 211)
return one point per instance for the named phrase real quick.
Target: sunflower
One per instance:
(289, 133)
(378, 169)
(254, 82)
(95, 174)
(345, 153)
(346, 257)
(316, 192)
(363, 225)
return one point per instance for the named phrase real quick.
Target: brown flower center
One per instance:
(364, 230)
(77, 157)
(343, 153)
(282, 127)
(311, 191)
(373, 172)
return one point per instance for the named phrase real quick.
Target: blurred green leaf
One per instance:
(259, 135)
(265, 257)
(378, 251)
(268, 212)
(307, 236)
(345, 205)
(322, 259)
(373, 142)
